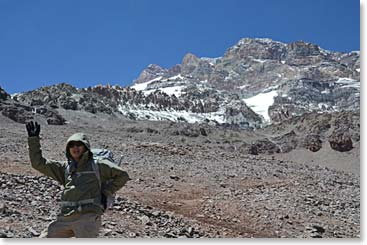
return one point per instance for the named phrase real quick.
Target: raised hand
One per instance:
(33, 129)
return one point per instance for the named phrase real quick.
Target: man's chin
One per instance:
(77, 157)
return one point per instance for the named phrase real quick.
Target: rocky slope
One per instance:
(187, 181)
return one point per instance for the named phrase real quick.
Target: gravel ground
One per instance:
(184, 186)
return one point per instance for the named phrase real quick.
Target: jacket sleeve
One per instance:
(112, 176)
(52, 169)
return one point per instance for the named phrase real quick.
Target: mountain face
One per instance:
(276, 80)
(256, 82)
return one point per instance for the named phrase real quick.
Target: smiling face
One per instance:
(76, 149)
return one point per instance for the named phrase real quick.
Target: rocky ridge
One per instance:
(339, 129)
(21, 112)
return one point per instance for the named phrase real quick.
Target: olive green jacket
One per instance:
(82, 190)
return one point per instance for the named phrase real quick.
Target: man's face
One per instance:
(77, 149)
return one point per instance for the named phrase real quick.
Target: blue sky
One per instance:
(87, 42)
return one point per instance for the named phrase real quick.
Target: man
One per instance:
(87, 184)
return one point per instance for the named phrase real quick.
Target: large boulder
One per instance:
(263, 146)
(286, 142)
(68, 104)
(54, 118)
(189, 130)
(340, 140)
(312, 142)
(20, 114)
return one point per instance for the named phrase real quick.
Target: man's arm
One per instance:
(113, 177)
(52, 169)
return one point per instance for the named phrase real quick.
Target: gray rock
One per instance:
(174, 177)
(312, 142)
(33, 232)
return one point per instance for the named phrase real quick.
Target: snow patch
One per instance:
(211, 61)
(143, 86)
(323, 106)
(15, 94)
(176, 90)
(324, 51)
(171, 115)
(348, 82)
(259, 60)
(243, 86)
(177, 77)
(260, 103)
(345, 80)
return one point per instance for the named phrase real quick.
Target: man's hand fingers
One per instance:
(33, 128)
(38, 128)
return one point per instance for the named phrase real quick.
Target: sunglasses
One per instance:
(75, 143)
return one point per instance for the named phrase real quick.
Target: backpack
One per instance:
(99, 154)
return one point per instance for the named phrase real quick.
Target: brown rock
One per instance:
(340, 140)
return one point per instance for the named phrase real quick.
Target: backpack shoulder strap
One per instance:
(95, 167)
(96, 170)
(67, 172)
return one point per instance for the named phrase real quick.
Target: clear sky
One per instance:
(88, 42)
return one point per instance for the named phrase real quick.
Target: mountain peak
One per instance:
(151, 72)
(189, 59)
(262, 41)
